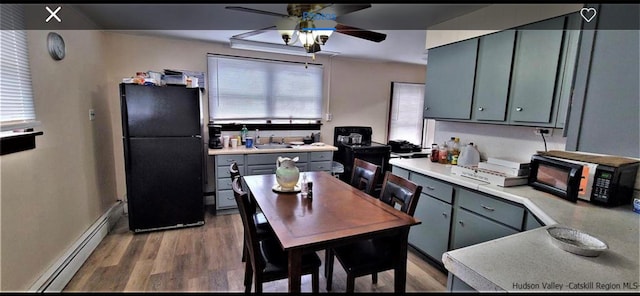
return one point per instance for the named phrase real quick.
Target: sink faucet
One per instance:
(272, 142)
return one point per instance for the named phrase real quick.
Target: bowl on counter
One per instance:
(576, 242)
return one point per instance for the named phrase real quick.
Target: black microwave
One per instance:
(574, 179)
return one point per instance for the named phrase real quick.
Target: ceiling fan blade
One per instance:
(245, 9)
(254, 32)
(360, 33)
(342, 9)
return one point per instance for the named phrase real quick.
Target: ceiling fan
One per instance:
(312, 24)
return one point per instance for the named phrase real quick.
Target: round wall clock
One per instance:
(55, 44)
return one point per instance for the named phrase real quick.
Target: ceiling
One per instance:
(404, 25)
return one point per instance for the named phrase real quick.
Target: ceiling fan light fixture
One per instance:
(286, 27)
(306, 38)
(315, 47)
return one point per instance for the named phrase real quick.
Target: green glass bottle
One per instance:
(244, 132)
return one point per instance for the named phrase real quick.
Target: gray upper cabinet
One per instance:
(450, 79)
(535, 69)
(493, 73)
(567, 68)
(605, 110)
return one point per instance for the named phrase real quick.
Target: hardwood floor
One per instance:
(207, 259)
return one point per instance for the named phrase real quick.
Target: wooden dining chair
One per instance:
(263, 228)
(267, 261)
(365, 176)
(371, 256)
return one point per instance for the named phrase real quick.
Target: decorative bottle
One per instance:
(244, 132)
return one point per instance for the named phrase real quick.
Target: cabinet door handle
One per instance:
(487, 208)
(519, 109)
(480, 108)
(430, 188)
(427, 108)
(461, 223)
(444, 214)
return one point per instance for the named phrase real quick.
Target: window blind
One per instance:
(16, 95)
(406, 119)
(253, 91)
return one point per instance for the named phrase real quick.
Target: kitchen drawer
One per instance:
(223, 160)
(400, 172)
(321, 156)
(492, 208)
(225, 199)
(224, 184)
(223, 171)
(471, 229)
(433, 187)
(319, 166)
(271, 158)
(261, 169)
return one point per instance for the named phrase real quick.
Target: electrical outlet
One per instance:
(549, 131)
(92, 114)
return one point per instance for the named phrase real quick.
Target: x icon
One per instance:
(53, 14)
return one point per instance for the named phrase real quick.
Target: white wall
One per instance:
(53, 193)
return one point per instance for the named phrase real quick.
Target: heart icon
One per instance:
(588, 13)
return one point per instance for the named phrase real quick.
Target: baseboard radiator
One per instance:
(59, 274)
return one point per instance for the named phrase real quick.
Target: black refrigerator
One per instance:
(164, 156)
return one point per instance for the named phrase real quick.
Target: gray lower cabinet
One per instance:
(224, 191)
(449, 84)
(480, 218)
(261, 164)
(400, 172)
(531, 222)
(604, 115)
(320, 161)
(493, 72)
(432, 235)
(454, 284)
(454, 217)
(535, 68)
(471, 229)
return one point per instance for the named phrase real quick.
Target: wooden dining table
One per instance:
(337, 214)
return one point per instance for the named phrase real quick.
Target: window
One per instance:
(16, 95)
(256, 91)
(406, 120)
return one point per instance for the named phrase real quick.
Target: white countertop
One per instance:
(529, 261)
(253, 150)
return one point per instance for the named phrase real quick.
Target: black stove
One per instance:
(367, 150)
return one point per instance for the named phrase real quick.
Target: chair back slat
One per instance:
(365, 176)
(400, 192)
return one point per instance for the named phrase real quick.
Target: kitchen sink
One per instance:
(273, 146)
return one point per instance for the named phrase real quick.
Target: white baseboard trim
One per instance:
(59, 274)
